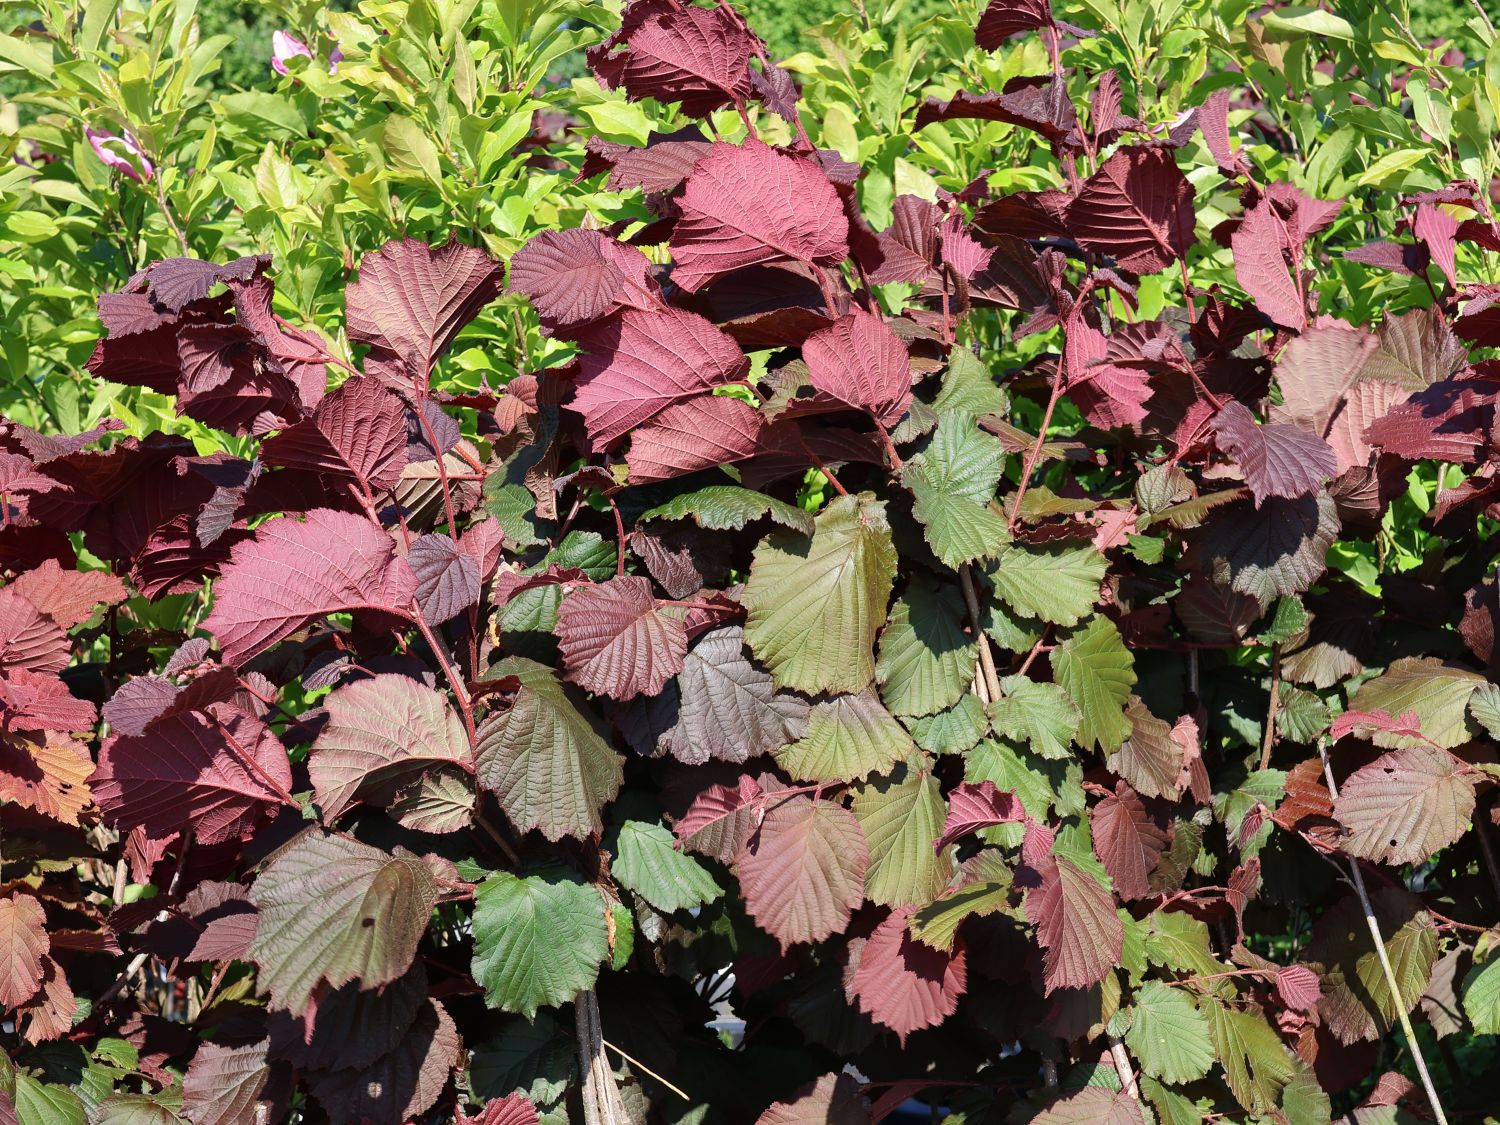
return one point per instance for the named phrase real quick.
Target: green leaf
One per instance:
(926, 662)
(728, 507)
(814, 605)
(408, 147)
(39, 1103)
(1484, 708)
(538, 939)
(901, 818)
(1256, 1063)
(533, 1057)
(1294, 22)
(648, 862)
(951, 731)
(333, 910)
(545, 759)
(1097, 671)
(983, 887)
(1438, 693)
(1060, 586)
(133, 1109)
(1039, 714)
(969, 388)
(953, 482)
(848, 737)
(1482, 997)
(515, 507)
(1169, 1035)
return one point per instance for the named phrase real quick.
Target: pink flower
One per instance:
(122, 153)
(285, 46)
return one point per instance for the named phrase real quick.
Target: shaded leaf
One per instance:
(544, 758)
(333, 910)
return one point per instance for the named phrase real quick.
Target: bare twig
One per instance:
(986, 659)
(1268, 740)
(1123, 1067)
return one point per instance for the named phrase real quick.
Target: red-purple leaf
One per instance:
(748, 205)
(1075, 918)
(31, 701)
(1437, 230)
(1126, 841)
(23, 945)
(802, 870)
(1040, 104)
(1299, 987)
(972, 807)
(295, 572)
(901, 983)
(1278, 459)
(217, 774)
(174, 283)
(833, 1099)
(575, 276)
(357, 434)
(617, 641)
(384, 734)
(697, 433)
(860, 361)
(447, 577)
(1261, 268)
(513, 1109)
(28, 639)
(411, 299)
(1003, 19)
(697, 57)
(68, 597)
(1137, 209)
(639, 363)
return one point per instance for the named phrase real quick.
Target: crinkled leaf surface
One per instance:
(1096, 669)
(802, 870)
(297, 571)
(901, 818)
(544, 757)
(539, 939)
(382, 734)
(1405, 805)
(1169, 1035)
(333, 910)
(848, 738)
(648, 862)
(617, 641)
(814, 604)
(925, 661)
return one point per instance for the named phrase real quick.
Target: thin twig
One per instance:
(1385, 961)
(455, 681)
(1035, 452)
(1268, 740)
(986, 660)
(646, 1070)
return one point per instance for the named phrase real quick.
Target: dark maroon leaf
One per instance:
(1278, 459)
(751, 204)
(357, 434)
(639, 363)
(447, 577)
(1137, 209)
(411, 299)
(1003, 19)
(216, 774)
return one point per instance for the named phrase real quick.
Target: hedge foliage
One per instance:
(569, 564)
